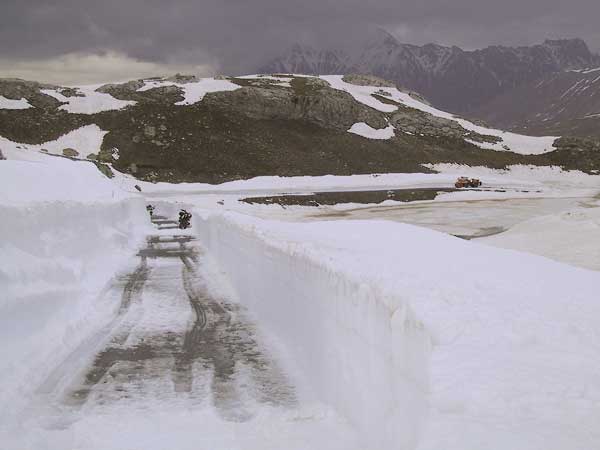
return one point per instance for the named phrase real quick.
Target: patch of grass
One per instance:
(104, 169)
(386, 100)
(305, 86)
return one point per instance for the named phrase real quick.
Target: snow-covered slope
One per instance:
(364, 130)
(525, 145)
(194, 91)
(561, 102)
(85, 141)
(88, 100)
(496, 352)
(7, 103)
(563, 237)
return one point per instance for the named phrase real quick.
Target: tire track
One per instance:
(132, 293)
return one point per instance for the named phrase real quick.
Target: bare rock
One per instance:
(367, 80)
(70, 153)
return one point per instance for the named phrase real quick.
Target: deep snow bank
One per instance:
(55, 258)
(363, 351)
(514, 361)
(566, 236)
(65, 230)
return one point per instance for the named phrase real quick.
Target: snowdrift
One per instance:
(65, 231)
(424, 340)
(55, 259)
(360, 355)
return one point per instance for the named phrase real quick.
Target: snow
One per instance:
(419, 340)
(195, 91)
(55, 258)
(525, 145)
(85, 140)
(35, 177)
(585, 71)
(7, 103)
(549, 176)
(364, 130)
(91, 102)
(538, 181)
(65, 230)
(337, 329)
(418, 351)
(564, 237)
(277, 184)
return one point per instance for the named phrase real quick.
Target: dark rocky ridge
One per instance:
(262, 129)
(562, 103)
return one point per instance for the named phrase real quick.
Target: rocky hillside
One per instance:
(563, 103)
(220, 129)
(451, 78)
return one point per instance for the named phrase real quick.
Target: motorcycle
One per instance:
(184, 219)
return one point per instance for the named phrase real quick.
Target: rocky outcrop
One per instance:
(578, 144)
(129, 91)
(16, 89)
(367, 80)
(310, 99)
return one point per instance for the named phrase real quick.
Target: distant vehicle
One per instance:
(466, 182)
(184, 219)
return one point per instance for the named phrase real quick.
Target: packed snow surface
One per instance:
(566, 236)
(195, 91)
(364, 130)
(538, 181)
(526, 145)
(418, 351)
(85, 140)
(7, 103)
(28, 176)
(89, 101)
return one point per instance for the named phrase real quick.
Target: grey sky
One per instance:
(233, 36)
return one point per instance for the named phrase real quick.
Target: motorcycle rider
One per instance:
(184, 219)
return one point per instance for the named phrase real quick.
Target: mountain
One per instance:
(220, 129)
(566, 103)
(304, 59)
(451, 78)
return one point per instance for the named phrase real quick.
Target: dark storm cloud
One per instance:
(236, 35)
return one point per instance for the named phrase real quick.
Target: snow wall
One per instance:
(55, 260)
(361, 357)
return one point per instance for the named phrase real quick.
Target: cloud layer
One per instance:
(235, 36)
(85, 68)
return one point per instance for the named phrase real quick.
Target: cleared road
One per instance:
(180, 367)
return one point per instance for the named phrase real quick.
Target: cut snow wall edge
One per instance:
(369, 362)
(55, 259)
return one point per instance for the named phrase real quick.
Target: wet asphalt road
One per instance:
(173, 339)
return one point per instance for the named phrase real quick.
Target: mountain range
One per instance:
(456, 80)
